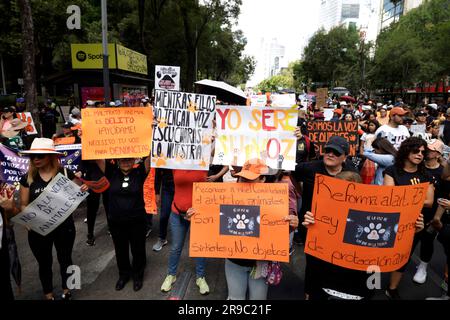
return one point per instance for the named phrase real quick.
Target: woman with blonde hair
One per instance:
(44, 166)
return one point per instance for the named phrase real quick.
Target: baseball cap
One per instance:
(408, 120)
(253, 169)
(433, 105)
(8, 109)
(420, 113)
(118, 103)
(339, 144)
(112, 104)
(436, 145)
(67, 125)
(398, 111)
(338, 111)
(342, 103)
(90, 103)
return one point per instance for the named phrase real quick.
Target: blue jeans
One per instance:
(239, 279)
(167, 194)
(179, 228)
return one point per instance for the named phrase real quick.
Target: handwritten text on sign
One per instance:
(245, 133)
(182, 138)
(112, 133)
(358, 225)
(53, 206)
(240, 220)
(321, 131)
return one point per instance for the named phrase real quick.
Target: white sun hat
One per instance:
(42, 146)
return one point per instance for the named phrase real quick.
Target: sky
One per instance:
(292, 22)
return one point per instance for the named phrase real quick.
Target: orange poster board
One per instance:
(113, 133)
(149, 193)
(358, 225)
(240, 221)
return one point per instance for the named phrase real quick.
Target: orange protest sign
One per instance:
(358, 225)
(149, 193)
(113, 133)
(64, 140)
(240, 220)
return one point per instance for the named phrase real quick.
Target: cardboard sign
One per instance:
(53, 206)
(182, 138)
(26, 117)
(64, 140)
(322, 97)
(167, 78)
(259, 132)
(99, 186)
(149, 193)
(71, 157)
(240, 220)
(359, 225)
(321, 131)
(283, 101)
(114, 133)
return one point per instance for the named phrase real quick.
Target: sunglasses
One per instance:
(335, 152)
(37, 156)
(125, 183)
(416, 151)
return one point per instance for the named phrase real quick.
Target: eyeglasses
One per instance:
(333, 151)
(37, 156)
(125, 183)
(418, 151)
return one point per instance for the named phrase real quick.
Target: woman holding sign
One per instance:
(127, 217)
(44, 166)
(246, 275)
(409, 169)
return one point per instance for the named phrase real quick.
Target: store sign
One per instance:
(130, 60)
(90, 56)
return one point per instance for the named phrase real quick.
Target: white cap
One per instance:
(433, 105)
(365, 108)
(379, 104)
(112, 104)
(342, 103)
(90, 103)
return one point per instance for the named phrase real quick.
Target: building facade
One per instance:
(391, 10)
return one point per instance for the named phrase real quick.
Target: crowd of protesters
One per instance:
(399, 145)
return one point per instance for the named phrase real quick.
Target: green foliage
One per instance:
(415, 49)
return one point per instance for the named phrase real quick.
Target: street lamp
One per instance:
(105, 52)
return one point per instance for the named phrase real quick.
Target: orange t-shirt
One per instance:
(184, 182)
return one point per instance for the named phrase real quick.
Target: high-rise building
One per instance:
(363, 14)
(392, 10)
(271, 58)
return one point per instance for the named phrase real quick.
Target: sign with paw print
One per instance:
(357, 226)
(241, 221)
(183, 136)
(265, 133)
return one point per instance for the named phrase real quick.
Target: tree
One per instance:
(330, 56)
(29, 72)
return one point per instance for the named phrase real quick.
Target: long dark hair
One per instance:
(408, 146)
(384, 146)
(375, 122)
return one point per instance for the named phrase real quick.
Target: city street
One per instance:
(99, 271)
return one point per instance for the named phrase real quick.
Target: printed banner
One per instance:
(131, 60)
(359, 225)
(182, 138)
(321, 131)
(245, 133)
(53, 206)
(113, 133)
(240, 220)
(13, 166)
(26, 117)
(149, 193)
(167, 78)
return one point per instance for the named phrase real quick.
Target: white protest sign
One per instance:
(258, 100)
(245, 133)
(328, 113)
(53, 206)
(26, 117)
(283, 100)
(167, 78)
(182, 139)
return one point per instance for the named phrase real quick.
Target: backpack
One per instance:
(273, 273)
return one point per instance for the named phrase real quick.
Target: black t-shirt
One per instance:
(38, 185)
(215, 169)
(435, 175)
(126, 193)
(90, 170)
(403, 178)
(306, 173)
